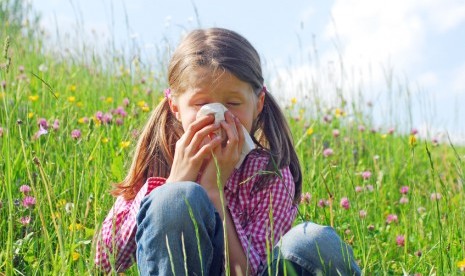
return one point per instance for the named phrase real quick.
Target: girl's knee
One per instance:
(173, 204)
(317, 248)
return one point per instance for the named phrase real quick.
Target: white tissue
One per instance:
(218, 110)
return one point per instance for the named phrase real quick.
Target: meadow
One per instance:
(69, 123)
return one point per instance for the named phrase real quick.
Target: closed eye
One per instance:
(233, 104)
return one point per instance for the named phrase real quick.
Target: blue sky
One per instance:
(419, 42)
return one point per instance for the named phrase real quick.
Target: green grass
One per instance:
(70, 178)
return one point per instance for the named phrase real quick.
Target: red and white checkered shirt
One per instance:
(250, 206)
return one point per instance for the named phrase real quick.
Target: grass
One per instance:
(70, 177)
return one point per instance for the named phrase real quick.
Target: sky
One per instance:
(405, 58)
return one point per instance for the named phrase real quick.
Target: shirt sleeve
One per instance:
(115, 243)
(271, 213)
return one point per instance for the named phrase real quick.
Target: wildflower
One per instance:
(327, 119)
(119, 121)
(322, 203)
(42, 122)
(79, 104)
(125, 144)
(30, 115)
(1, 131)
(358, 189)
(125, 101)
(40, 132)
(339, 112)
(29, 201)
(345, 203)
(83, 120)
(403, 200)
(99, 115)
(107, 117)
(25, 189)
(109, 100)
(421, 210)
(145, 109)
(328, 152)
(71, 99)
(21, 68)
(293, 100)
(72, 87)
(461, 265)
(75, 256)
(305, 198)
(309, 131)
(120, 111)
(404, 190)
(371, 227)
(391, 218)
(56, 124)
(391, 130)
(69, 206)
(33, 98)
(105, 140)
(3, 84)
(412, 140)
(414, 131)
(418, 253)
(373, 130)
(362, 214)
(361, 128)
(400, 240)
(141, 103)
(61, 203)
(336, 133)
(369, 188)
(75, 227)
(76, 134)
(435, 196)
(435, 142)
(25, 220)
(366, 175)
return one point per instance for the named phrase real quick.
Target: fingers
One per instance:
(195, 127)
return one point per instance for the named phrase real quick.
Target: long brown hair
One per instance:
(216, 49)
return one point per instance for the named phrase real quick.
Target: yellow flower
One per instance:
(309, 131)
(412, 140)
(2, 95)
(71, 99)
(105, 140)
(56, 215)
(79, 104)
(461, 265)
(72, 88)
(145, 108)
(61, 203)
(75, 226)
(76, 256)
(33, 98)
(57, 94)
(383, 136)
(82, 120)
(141, 103)
(30, 115)
(109, 100)
(293, 100)
(339, 112)
(125, 144)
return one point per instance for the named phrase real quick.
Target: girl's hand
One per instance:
(192, 149)
(227, 155)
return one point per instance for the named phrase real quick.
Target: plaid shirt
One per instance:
(248, 204)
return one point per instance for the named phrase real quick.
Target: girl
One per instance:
(184, 208)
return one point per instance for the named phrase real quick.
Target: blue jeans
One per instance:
(179, 232)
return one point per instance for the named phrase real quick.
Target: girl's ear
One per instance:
(260, 102)
(174, 108)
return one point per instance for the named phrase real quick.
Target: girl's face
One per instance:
(204, 87)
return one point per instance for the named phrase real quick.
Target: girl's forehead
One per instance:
(209, 79)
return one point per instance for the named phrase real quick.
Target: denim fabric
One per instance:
(164, 218)
(312, 249)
